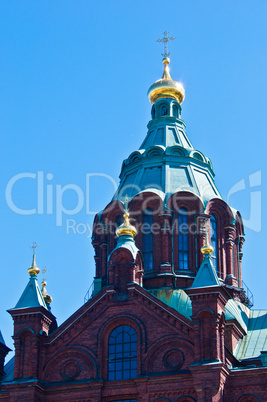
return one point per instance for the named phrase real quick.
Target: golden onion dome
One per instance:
(47, 298)
(126, 228)
(166, 87)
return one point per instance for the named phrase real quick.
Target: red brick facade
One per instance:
(172, 355)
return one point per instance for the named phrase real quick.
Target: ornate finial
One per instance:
(33, 270)
(34, 246)
(44, 271)
(47, 298)
(126, 203)
(165, 40)
(126, 228)
(207, 249)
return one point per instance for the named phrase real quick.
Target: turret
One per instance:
(125, 265)
(209, 298)
(32, 323)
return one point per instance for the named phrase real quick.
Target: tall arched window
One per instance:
(122, 353)
(148, 239)
(175, 111)
(214, 241)
(183, 239)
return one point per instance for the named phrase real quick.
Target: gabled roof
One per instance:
(206, 275)
(32, 296)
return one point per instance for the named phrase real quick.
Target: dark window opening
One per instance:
(122, 354)
(148, 239)
(183, 239)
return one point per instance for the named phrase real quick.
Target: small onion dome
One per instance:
(33, 270)
(126, 228)
(47, 298)
(166, 87)
(207, 249)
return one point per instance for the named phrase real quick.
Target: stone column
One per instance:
(239, 241)
(230, 278)
(166, 241)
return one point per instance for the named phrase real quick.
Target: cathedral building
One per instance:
(169, 319)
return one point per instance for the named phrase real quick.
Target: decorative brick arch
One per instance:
(24, 332)
(70, 364)
(103, 337)
(185, 398)
(226, 234)
(248, 398)
(165, 352)
(221, 209)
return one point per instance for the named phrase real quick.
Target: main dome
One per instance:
(166, 87)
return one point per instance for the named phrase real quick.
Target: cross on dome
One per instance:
(165, 40)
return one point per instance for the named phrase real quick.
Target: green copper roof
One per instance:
(238, 311)
(175, 298)
(254, 322)
(255, 341)
(206, 275)
(9, 371)
(167, 163)
(126, 241)
(32, 296)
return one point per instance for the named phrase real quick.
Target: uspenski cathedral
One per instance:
(169, 318)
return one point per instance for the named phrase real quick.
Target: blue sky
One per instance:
(73, 83)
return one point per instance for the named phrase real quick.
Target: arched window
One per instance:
(214, 241)
(163, 110)
(175, 111)
(122, 353)
(148, 239)
(183, 239)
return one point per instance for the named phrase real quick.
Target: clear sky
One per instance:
(73, 81)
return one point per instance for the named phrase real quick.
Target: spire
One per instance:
(47, 298)
(33, 270)
(207, 275)
(126, 228)
(207, 249)
(32, 296)
(166, 161)
(166, 87)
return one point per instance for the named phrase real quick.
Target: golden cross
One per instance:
(126, 202)
(165, 40)
(33, 246)
(44, 271)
